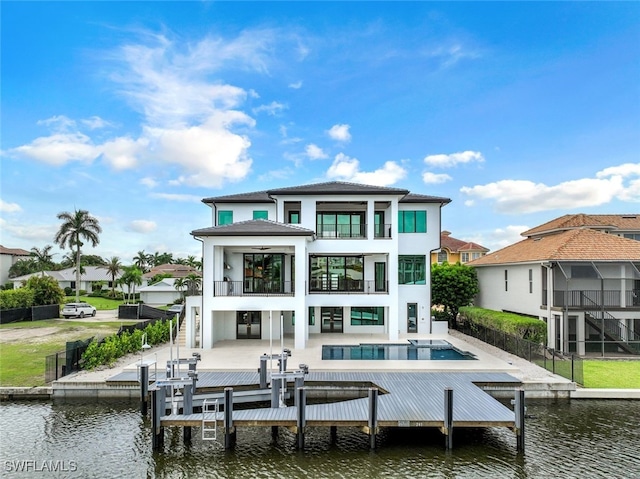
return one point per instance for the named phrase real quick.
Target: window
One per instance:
(225, 217)
(380, 227)
(412, 221)
(466, 257)
(263, 273)
(312, 315)
(367, 316)
(336, 273)
(632, 236)
(340, 225)
(412, 269)
(260, 215)
(443, 257)
(506, 280)
(294, 217)
(530, 281)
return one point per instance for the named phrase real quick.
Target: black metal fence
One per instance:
(65, 362)
(567, 366)
(34, 313)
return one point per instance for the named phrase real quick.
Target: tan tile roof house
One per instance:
(580, 273)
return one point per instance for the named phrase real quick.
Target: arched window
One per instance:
(442, 256)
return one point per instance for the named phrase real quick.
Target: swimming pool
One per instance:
(415, 349)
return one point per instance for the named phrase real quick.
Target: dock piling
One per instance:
(448, 417)
(229, 428)
(158, 409)
(144, 388)
(187, 408)
(520, 413)
(373, 416)
(263, 371)
(301, 399)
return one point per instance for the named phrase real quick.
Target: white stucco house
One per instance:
(578, 273)
(327, 258)
(161, 293)
(8, 257)
(67, 278)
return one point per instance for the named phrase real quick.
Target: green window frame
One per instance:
(260, 215)
(294, 217)
(225, 217)
(412, 269)
(413, 221)
(367, 316)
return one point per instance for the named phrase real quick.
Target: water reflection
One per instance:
(581, 439)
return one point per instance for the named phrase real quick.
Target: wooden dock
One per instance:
(402, 400)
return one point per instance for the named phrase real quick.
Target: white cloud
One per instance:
(210, 153)
(59, 149)
(6, 207)
(502, 237)
(345, 168)
(29, 231)
(452, 54)
(522, 196)
(314, 152)
(58, 123)
(339, 132)
(272, 108)
(123, 152)
(434, 179)
(148, 182)
(280, 174)
(177, 197)
(296, 86)
(453, 159)
(143, 226)
(95, 122)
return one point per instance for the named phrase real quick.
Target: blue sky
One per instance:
(518, 112)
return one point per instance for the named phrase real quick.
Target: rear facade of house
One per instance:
(327, 258)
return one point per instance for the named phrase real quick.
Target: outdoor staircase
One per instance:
(614, 331)
(182, 333)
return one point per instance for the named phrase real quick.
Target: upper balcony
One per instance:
(351, 231)
(594, 299)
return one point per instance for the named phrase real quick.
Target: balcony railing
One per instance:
(587, 299)
(382, 231)
(347, 286)
(253, 288)
(333, 230)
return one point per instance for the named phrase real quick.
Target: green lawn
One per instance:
(22, 359)
(611, 374)
(99, 303)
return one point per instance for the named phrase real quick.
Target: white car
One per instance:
(78, 310)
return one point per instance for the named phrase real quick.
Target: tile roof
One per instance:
(14, 251)
(455, 245)
(254, 228)
(327, 188)
(175, 270)
(626, 222)
(91, 273)
(584, 244)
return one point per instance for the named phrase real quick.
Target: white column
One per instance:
(371, 206)
(392, 275)
(301, 330)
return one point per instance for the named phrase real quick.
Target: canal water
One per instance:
(577, 439)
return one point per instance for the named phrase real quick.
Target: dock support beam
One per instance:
(301, 399)
(448, 417)
(187, 408)
(158, 409)
(144, 388)
(229, 428)
(263, 371)
(520, 413)
(373, 416)
(275, 392)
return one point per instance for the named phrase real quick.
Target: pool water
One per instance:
(418, 350)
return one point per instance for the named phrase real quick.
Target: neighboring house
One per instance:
(8, 257)
(453, 250)
(67, 278)
(175, 270)
(323, 258)
(161, 293)
(580, 274)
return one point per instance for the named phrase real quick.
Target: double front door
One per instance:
(248, 324)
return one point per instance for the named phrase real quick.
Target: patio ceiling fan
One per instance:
(261, 248)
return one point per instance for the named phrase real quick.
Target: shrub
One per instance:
(16, 298)
(113, 347)
(46, 290)
(68, 291)
(521, 326)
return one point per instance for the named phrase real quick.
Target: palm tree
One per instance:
(141, 260)
(75, 227)
(179, 285)
(43, 257)
(132, 277)
(193, 282)
(113, 267)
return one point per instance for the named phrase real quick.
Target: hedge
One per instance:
(521, 326)
(113, 347)
(17, 298)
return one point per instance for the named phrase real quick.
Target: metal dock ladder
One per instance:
(206, 431)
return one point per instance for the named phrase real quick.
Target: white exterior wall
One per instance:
(223, 258)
